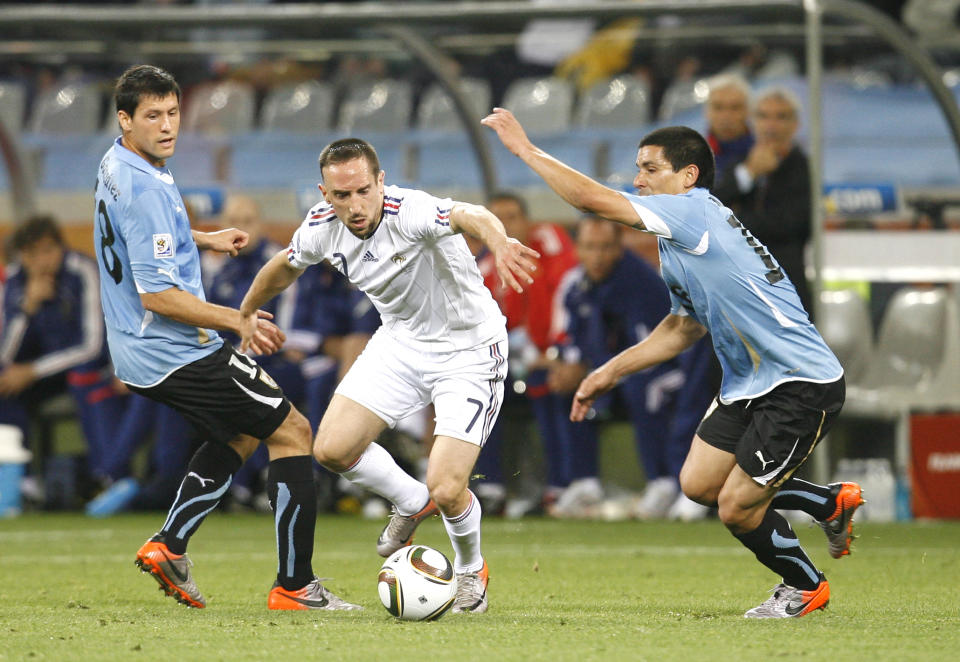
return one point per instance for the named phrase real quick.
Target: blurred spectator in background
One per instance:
(227, 288)
(530, 317)
(727, 110)
(604, 316)
(54, 342)
(769, 190)
(174, 441)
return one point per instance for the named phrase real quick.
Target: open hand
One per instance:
(515, 263)
(260, 335)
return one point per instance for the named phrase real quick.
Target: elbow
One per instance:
(151, 302)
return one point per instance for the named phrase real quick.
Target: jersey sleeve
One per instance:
(677, 218)
(422, 216)
(151, 235)
(304, 249)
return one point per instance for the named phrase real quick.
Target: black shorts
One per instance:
(772, 435)
(224, 395)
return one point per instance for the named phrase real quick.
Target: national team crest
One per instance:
(267, 379)
(162, 245)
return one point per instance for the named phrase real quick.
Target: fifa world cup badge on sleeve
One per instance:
(162, 245)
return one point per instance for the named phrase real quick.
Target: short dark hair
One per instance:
(683, 146)
(512, 197)
(348, 149)
(143, 80)
(33, 230)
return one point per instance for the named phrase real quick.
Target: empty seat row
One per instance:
(915, 360)
(546, 104)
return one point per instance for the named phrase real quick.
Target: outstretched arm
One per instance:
(674, 334)
(228, 241)
(576, 188)
(272, 279)
(514, 260)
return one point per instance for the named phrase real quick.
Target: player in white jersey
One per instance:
(442, 341)
(782, 386)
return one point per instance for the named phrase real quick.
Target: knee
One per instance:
(736, 518)
(323, 453)
(697, 489)
(449, 494)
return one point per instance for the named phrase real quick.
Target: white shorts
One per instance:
(465, 386)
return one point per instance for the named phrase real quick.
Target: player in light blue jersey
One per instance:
(782, 387)
(163, 339)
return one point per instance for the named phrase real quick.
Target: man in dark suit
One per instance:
(770, 189)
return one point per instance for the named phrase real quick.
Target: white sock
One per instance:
(377, 471)
(464, 532)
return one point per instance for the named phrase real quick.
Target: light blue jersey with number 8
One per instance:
(143, 242)
(723, 277)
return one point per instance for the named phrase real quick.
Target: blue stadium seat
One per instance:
(280, 159)
(275, 159)
(436, 110)
(682, 95)
(578, 149)
(901, 163)
(219, 108)
(446, 159)
(382, 105)
(71, 107)
(303, 107)
(623, 101)
(68, 162)
(196, 159)
(543, 105)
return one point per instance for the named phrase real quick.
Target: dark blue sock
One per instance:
(776, 546)
(293, 497)
(818, 501)
(208, 477)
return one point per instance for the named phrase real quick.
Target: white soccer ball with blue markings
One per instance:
(417, 583)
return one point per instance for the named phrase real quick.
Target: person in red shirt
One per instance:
(532, 333)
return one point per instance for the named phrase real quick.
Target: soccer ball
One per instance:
(417, 583)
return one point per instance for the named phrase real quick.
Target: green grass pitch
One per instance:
(558, 591)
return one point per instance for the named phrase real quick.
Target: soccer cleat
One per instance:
(790, 602)
(172, 572)
(839, 526)
(399, 530)
(472, 591)
(312, 596)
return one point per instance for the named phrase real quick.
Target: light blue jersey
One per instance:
(723, 277)
(144, 244)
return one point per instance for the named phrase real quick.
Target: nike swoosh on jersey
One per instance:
(702, 246)
(272, 402)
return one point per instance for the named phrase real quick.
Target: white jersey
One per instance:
(419, 274)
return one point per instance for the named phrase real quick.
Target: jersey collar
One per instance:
(135, 160)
